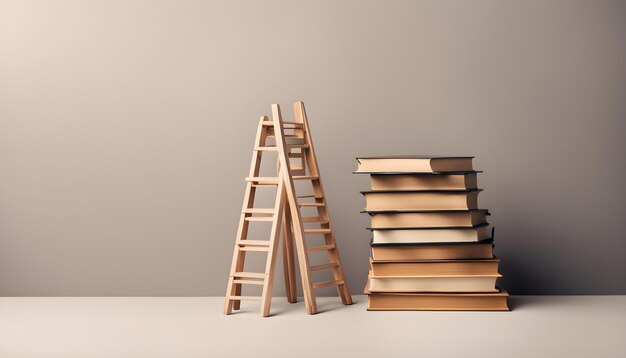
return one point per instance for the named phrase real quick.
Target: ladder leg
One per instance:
(289, 266)
(270, 265)
(238, 287)
(229, 304)
(310, 302)
(234, 289)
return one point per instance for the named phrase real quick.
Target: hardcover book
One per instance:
(414, 164)
(421, 200)
(437, 283)
(435, 267)
(423, 219)
(431, 235)
(423, 181)
(496, 301)
(463, 251)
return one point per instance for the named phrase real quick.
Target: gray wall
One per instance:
(126, 130)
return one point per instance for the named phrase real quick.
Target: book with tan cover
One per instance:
(431, 235)
(423, 219)
(423, 181)
(413, 164)
(435, 267)
(403, 252)
(496, 301)
(421, 200)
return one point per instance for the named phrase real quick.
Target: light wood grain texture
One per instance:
(242, 244)
(286, 217)
(318, 190)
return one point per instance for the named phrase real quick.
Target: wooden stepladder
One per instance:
(296, 162)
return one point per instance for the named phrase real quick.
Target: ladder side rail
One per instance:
(270, 264)
(234, 289)
(318, 189)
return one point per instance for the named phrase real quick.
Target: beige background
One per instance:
(126, 129)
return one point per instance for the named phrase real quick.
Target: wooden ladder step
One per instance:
(317, 231)
(328, 283)
(303, 146)
(294, 124)
(259, 211)
(305, 177)
(311, 204)
(259, 218)
(250, 282)
(254, 248)
(250, 275)
(314, 219)
(264, 180)
(321, 248)
(253, 243)
(295, 155)
(309, 196)
(249, 298)
(266, 149)
(263, 185)
(287, 136)
(323, 266)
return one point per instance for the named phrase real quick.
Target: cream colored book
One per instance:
(420, 219)
(431, 235)
(413, 164)
(421, 200)
(423, 181)
(439, 283)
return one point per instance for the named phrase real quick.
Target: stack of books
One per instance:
(432, 247)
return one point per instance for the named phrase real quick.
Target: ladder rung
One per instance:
(294, 141)
(263, 185)
(295, 155)
(314, 219)
(253, 243)
(323, 266)
(249, 298)
(317, 231)
(303, 146)
(305, 177)
(311, 204)
(309, 196)
(287, 136)
(265, 180)
(259, 211)
(295, 124)
(254, 248)
(250, 275)
(327, 283)
(259, 218)
(250, 282)
(267, 149)
(321, 248)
